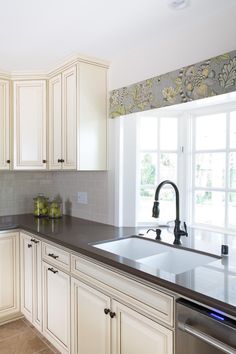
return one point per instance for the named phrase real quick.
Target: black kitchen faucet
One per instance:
(156, 211)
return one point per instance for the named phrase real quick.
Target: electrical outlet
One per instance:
(82, 198)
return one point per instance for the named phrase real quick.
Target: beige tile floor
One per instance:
(20, 337)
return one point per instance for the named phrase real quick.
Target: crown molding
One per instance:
(56, 69)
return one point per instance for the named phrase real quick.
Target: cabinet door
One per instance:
(26, 251)
(135, 333)
(37, 284)
(55, 123)
(69, 118)
(9, 275)
(89, 324)
(29, 125)
(92, 146)
(56, 307)
(4, 126)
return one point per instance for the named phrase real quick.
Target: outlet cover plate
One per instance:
(82, 198)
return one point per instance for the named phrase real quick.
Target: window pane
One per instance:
(144, 210)
(210, 132)
(167, 204)
(233, 130)
(148, 133)
(148, 169)
(210, 208)
(232, 170)
(168, 167)
(210, 170)
(232, 210)
(168, 133)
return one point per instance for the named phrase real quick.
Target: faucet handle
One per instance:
(185, 229)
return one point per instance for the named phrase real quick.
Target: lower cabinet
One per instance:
(91, 327)
(101, 325)
(31, 279)
(9, 276)
(56, 307)
(135, 333)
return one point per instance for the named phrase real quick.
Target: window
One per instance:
(157, 161)
(195, 148)
(214, 170)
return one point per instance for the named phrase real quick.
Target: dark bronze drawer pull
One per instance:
(33, 240)
(53, 271)
(53, 255)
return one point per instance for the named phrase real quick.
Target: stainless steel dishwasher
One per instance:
(203, 331)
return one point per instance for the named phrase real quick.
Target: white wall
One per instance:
(206, 37)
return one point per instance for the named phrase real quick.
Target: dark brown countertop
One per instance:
(213, 285)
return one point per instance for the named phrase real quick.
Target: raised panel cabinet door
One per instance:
(135, 333)
(55, 123)
(90, 320)
(56, 307)
(69, 118)
(37, 284)
(9, 275)
(92, 146)
(26, 251)
(29, 112)
(4, 126)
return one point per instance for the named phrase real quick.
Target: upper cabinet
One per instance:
(29, 121)
(59, 119)
(92, 140)
(63, 120)
(78, 118)
(4, 125)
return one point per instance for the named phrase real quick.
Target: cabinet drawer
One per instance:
(56, 256)
(147, 299)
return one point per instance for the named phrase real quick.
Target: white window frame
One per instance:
(221, 108)
(125, 209)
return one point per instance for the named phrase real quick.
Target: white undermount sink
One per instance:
(156, 255)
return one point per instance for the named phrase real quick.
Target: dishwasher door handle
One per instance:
(207, 339)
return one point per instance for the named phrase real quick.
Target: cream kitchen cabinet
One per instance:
(31, 279)
(135, 333)
(4, 125)
(29, 123)
(91, 327)
(92, 126)
(78, 118)
(63, 120)
(101, 325)
(139, 318)
(9, 276)
(56, 307)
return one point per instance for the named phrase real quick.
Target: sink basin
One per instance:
(156, 255)
(177, 261)
(132, 247)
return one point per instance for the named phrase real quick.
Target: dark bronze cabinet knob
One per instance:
(112, 314)
(8, 161)
(106, 311)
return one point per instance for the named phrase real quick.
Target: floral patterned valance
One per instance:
(212, 77)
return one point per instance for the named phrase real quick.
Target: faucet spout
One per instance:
(156, 211)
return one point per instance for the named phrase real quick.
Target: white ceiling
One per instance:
(36, 35)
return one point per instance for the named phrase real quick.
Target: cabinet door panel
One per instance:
(29, 125)
(4, 125)
(92, 149)
(69, 118)
(26, 276)
(37, 285)
(9, 280)
(135, 333)
(55, 123)
(56, 297)
(90, 325)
